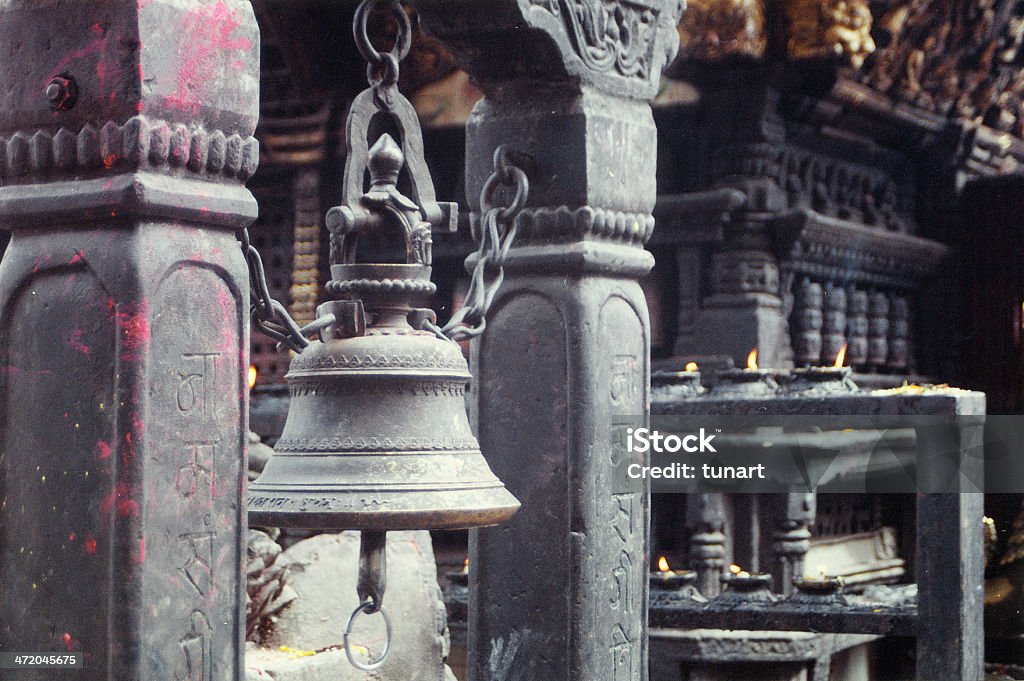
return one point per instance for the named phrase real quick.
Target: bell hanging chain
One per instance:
(497, 234)
(269, 315)
(382, 67)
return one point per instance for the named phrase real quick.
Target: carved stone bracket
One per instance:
(618, 47)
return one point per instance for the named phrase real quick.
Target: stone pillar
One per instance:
(705, 518)
(792, 515)
(745, 309)
(560, 592)
(125, 139)
(808, 318)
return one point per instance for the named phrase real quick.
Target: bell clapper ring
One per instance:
(370, 587)
(368, 607)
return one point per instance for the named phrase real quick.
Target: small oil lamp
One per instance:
(684, 383)
(740, 585)
(821, 589)
(748, 382)
(825, 379)
(460, 577)
(667, 578)
(666, 582)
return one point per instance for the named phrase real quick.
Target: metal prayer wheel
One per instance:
(377, 436)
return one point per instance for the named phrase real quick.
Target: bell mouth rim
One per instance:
(395, 372)
(396, 520)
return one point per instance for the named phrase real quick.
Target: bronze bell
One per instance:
(377, 436)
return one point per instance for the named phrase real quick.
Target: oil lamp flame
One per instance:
(735, 569)
(841, 356)
(465, 567)
(253, 373)
(690, 366)
(662, 564)
(752, 359)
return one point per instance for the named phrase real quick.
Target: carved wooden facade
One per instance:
(810, 189)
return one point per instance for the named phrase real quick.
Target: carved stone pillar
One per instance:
(899, 333)
(833, 336)
(745, 309)
(792, 517)
(560, 592)
(125, 139)
(808, 318)
(878, 329)
(857, 327)
(705, 516)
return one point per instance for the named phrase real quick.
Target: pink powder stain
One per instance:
(68, 641)
(127, 508)
(76, 258)
(90, 545)
(140, 557)
(93, 48)
(102, 450)
(133, 323)
(74, 341)
(229, 341)
(120, 499)
(207, 31)
(18, 371)
(108, 61)
(129, 448)
(71, 537)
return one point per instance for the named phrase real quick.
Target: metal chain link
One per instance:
(268, 315)
(497, 234)
(382, 67)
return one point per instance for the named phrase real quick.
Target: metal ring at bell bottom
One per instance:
(368, 608)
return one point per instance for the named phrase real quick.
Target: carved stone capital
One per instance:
(619, 47)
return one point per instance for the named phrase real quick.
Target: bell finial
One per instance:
(385, 161)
